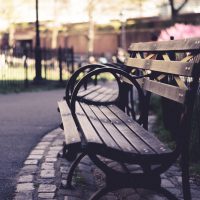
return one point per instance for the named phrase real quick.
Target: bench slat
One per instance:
(131, 137)
(95, 94)
(169, 91)
(90, 134)
(171, 45)
(70, 131)
(104, 135)
(115, 133)
(147, 137)
(107, 95)
(89, 90)
(172, 67)
(100, 94)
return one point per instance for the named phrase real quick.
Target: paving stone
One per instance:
(25, 187)
(29, 169)
(53, 152)
(44, 143)
(41, 147)
(57, 143)
(25, 179)
(37, 157)
(51, 155)
(31, 162)
(50, 136)
(47, 173)
(37, 152)
(46, 195)
(47, 166)
(58, 148)
(46, 188)
(50, 159)
(25, 195)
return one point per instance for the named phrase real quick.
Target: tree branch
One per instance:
(182, 5)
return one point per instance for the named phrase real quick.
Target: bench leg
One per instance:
(72, 168)
(185, 175)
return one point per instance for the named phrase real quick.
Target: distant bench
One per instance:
(168, 69)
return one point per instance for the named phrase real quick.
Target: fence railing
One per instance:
(17, 66)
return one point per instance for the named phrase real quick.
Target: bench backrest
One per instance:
(173, 69)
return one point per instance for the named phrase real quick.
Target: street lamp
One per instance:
(38, 65)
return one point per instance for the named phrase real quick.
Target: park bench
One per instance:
(169, 69)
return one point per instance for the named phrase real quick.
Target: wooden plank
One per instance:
(171, 45)
(187, 58)
(89, 133)
(70, 131)
(95, 93)
(171, 92)
(113, 131)
(150, 56)
(106, 95)
(100, 94)
(180, 83)
(140, 81)
(102, 132)
(88, 87)
(147, 137)
(171, 67)
(109, 97)
(91, 89)
(130, 136)
(166, 57)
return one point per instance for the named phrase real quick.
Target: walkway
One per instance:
(24, 119)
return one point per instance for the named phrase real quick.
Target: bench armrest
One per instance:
(115, 72)
(72, 81)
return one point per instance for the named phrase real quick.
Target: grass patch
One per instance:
(19, 86)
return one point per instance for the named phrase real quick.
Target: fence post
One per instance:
(72, 59)
(26, 71)
(60, 63)
(45, 62)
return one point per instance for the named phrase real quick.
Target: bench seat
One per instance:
(98, 93)
(108, 131)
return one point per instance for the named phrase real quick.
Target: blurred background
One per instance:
(49, 39)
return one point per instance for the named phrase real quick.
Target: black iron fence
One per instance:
(17, 65)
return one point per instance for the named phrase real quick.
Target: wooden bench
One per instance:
(107, 131)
